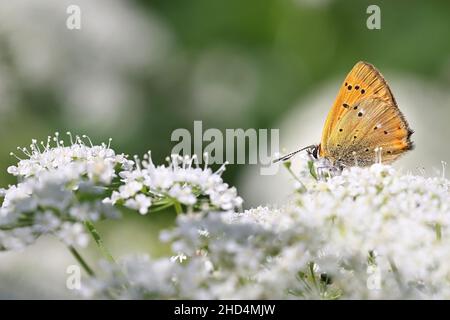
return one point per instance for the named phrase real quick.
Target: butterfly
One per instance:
(364, 125)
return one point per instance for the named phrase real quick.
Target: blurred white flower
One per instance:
(133, 273)
(87, 70)
(179, 257)
(73, 234)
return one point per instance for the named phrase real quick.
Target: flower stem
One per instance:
(162, 207)
(98, 240)
(81, 261)
(14, 226)
(438, 229)
(178, 208)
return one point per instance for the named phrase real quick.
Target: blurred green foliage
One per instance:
(292, 45)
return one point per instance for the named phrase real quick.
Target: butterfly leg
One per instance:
(323, 172)
(328, 171)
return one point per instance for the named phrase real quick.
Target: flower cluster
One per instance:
(98, 162)
(367, 233)
(182, 181)
(360, 233)
(59, 188)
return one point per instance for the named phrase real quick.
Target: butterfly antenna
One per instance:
(290, 155)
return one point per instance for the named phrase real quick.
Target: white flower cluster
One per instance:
(367, 233)
(59, 188)
(97, 162)
(182, 181)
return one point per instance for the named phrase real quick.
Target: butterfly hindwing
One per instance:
(368, 125)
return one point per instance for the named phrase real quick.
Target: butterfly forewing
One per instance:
(364, 102)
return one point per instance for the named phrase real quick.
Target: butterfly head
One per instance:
(314, 151)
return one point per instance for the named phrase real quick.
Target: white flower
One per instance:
(130, 189)
(179, 257)
(60, 187)
(327, 243)
(182, 180)
(73, 234)
(140, 203)
(98, 162)
(183, 194)
(153, 278)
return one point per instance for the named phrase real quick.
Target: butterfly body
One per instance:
(364, 125)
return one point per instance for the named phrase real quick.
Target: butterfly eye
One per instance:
(315, 151)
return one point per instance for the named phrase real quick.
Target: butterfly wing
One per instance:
(364, 87)
(362, 82)
(368, 125)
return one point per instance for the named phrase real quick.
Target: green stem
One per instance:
(178, 208)
(313, 276)
(98, 240)
(438, 229)
(81, 261)
(161, 207)
(7, 227)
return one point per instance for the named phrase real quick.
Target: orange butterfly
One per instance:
(364, 123)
